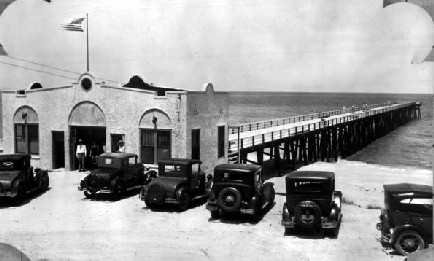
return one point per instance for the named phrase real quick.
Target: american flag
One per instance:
(74, 24)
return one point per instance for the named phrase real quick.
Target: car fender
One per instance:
(15, 183)
(285, 213)
(268, 186)
(398, 229)
(181, 189)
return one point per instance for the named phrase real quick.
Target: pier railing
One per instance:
(252, 134)
(258, 125)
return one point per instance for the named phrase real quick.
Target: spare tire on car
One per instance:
(93, 183)
(307, 214)
(156, 193)
(229, 199)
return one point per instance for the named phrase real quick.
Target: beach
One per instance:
(62, 224)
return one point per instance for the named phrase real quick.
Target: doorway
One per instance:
(95, 140)
(195, 144)
(58, 143)
(156, 145)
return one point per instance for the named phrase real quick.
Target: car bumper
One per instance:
(325, 222)
(100, 191)
(386, 238)
(214, 207)
(8, 194)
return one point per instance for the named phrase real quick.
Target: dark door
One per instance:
(147, 150)
(195, 144)
(155, 145)
(58, 143)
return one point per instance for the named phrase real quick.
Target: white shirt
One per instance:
(81, 149)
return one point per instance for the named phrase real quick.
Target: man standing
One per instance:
(81, 152)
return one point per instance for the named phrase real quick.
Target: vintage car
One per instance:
(239, 188)
(116, 174)
(17, 176)
(406, 222)
(312, 202)
(179, 181)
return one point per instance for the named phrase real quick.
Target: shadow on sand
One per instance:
(174, 208)
(238, 218)
(6, 202)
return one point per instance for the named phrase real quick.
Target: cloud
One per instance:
(298, 45)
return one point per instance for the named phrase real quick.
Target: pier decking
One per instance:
(325, 135)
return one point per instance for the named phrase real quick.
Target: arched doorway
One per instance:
(87, 123)
(26, 131)
(155, 136)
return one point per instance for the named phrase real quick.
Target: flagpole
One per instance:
(87, 40)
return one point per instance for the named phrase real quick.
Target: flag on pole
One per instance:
(74, 24)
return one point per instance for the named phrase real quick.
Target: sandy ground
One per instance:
(62, 224)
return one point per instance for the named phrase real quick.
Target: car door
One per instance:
(129, 171)
(419, 210)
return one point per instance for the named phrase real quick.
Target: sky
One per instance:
(243, 45)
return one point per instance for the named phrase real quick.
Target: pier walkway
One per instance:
(325, 135)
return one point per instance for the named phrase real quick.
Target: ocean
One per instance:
(409, 146)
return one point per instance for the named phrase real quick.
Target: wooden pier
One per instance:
(319, 136)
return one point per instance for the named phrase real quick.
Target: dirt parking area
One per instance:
(62, 224)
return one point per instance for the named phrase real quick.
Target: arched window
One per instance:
(26, 131)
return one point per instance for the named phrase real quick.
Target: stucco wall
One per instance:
(206, 111)
(122, 107)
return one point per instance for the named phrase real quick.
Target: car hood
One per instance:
(7, 176)
(169, 183)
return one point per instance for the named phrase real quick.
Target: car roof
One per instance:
(313, 175)
(179, 161)
(243, 168)
(407, 187)
(15, 156)
(119, 155)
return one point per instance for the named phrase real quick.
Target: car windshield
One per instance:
(109, 163)
(308, 186)
(11, 165)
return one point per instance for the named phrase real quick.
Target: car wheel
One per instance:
(289, 231)
(307, 214)
(156, 194)
(272, 196)
(118, 191)
(184, 201)
(332, 232)
(45, 183)
(20, 195)
(93, 183)
(149, 204)
(408, 242)
(89, 194)
(215, 213)
(229, 199)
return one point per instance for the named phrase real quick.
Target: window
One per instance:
(31, 144)
(221, 141)
(195, 144)
(116, 138)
